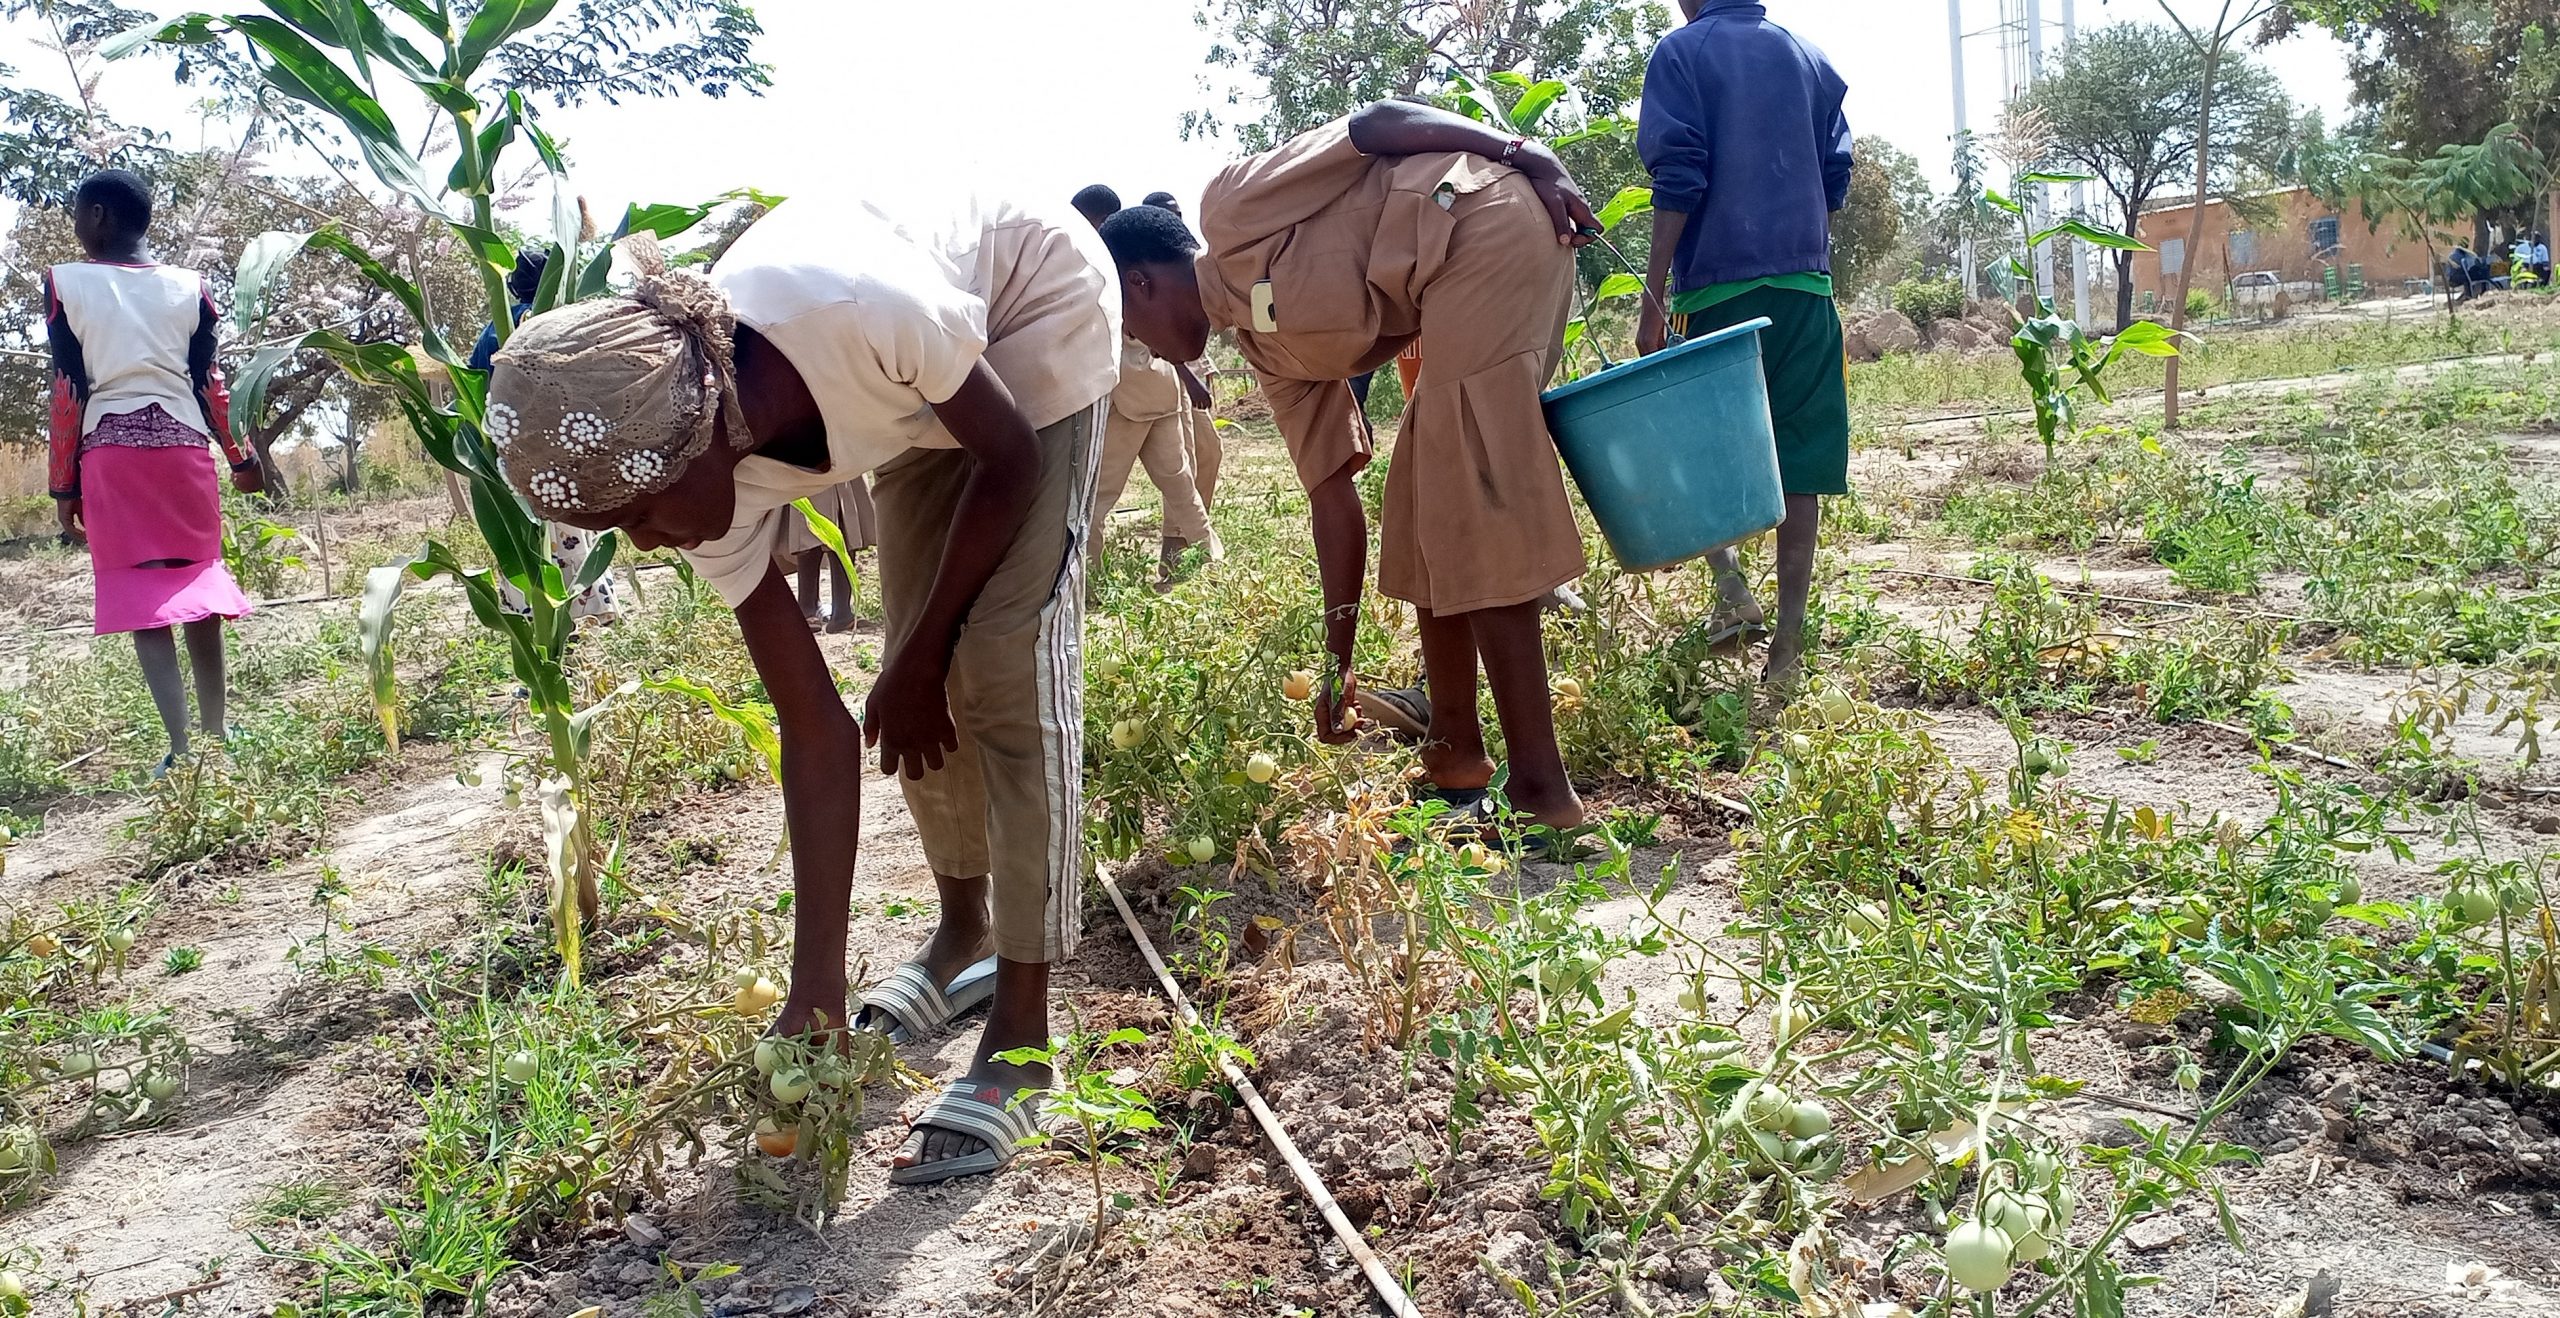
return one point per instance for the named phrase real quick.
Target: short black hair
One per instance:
(122, 192)
(525, 281)
(1148, 235)
(1097, 201)
(1162, 199)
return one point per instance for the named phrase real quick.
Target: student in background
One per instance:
(800, 552)
(1749, 151)
(1096, 202)
(1208, 449)
(1149, 424)
(137, 400)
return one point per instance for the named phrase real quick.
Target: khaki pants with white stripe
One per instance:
(1010, 803)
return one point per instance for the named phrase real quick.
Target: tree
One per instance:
(1310, 61)
(2212, 45)
(2429, 194)
(1875, 238)
(2124, 103)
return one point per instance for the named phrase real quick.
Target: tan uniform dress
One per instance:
(1208, 450)
(1365, 254)
(847, 505)
(1149, 423)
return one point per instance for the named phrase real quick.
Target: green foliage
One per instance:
(2123, 102)
(1926, 301)
(1305, 63)
(1081, 1089)
(1877, 235)
(2056, 359)
(291, 52)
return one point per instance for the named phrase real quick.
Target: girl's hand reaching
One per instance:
(73, 527)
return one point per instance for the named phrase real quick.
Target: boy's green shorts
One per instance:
(1807, 365)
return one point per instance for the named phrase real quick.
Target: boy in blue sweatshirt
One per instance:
(1749, 152)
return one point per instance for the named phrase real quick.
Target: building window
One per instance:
(2244, 250)
(2173, 256)
(2324, 234)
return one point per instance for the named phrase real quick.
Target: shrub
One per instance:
(1927, 300)
(2199, 304)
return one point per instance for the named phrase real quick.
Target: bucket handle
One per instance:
(1591, 301)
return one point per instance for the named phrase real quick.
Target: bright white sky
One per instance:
(1039, 97)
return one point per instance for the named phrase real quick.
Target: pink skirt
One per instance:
(155, 505)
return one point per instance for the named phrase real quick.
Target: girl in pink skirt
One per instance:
(136, 398)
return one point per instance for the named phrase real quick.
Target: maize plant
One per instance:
(342, 56)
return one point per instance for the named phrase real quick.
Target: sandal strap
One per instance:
(982, 1112)
(910, 997)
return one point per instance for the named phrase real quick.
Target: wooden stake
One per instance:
(1397, 1302)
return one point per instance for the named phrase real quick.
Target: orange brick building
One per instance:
(2292, 232)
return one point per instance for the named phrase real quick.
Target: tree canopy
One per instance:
(2124, 103)
(1308, 61)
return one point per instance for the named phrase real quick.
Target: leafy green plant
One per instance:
(1927, 301)
(441, 57)
(2056, 359)
(259, 553)
(1082, 1091)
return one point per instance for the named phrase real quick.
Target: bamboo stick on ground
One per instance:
(1397, 1302)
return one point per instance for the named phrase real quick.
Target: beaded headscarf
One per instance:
(597, 403)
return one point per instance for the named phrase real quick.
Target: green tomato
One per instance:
(1978, 1256)
(1261, 768)
(1105, 669)
(1764, 1106)
(2350, 891)
(120, 941)
(790, 1085)
(768, 1057)
(520, 1067)
(2474, 905)
(13, 1151)
(2063, 1202)
(1787, 1020)
(1126, 733)
(1203, 850)
(160, 1086)
(1834, 706)
(2316, 905)
(2517, 901)
(2023, 1218)
(1800, 746)
(1811, 1118)
(11, 1288)
(1867, 919)
(74, 1065)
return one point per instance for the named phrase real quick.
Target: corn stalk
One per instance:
(340, 55)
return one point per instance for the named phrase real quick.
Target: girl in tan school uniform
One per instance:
(1328, 257)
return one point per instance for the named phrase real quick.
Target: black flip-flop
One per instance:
(1402, 710)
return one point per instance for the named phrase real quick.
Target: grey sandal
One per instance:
(913, 1006)
(980, 1111)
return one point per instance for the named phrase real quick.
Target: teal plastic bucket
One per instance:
(1674, 452)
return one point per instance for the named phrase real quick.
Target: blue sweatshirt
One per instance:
(1741, 129)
